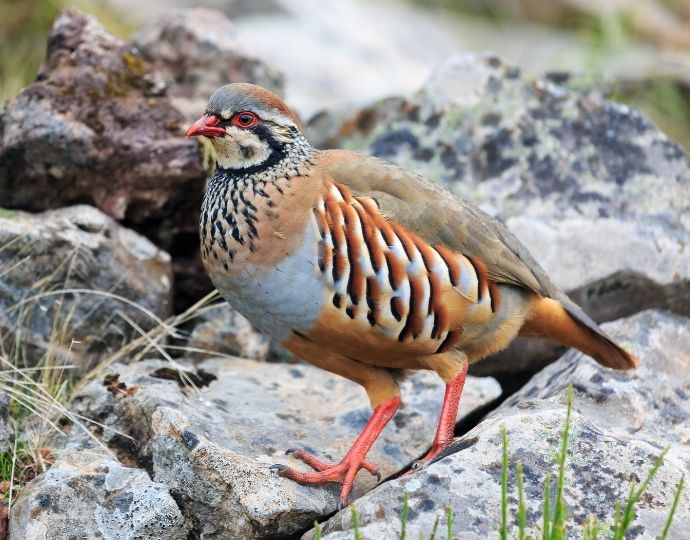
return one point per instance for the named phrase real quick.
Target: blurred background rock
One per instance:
(634, 51)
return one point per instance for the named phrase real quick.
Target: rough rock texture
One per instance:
(97, 127)
(594, 190)
(77, 247)
(86, 494)
(6, 433)
(196, 51)
(213, 448)
(222, 330)
(621, 422)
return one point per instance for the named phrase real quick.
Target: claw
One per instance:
(345, 471)
(341, 504)
(278, 468)
(291, 451)
(378, 476)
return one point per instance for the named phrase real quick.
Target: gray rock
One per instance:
(196, 51)
(77, 248)
(222, 330)
(621, 422)
(593, 189)
(6, 431)
(97, 127)
(87, 494)
(213, 447)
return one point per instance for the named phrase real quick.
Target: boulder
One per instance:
(621, 422)
(108, 274)
(196, 51)
(211, 432)
(598, 194)
(97, 127)
(222, 330)
(88, 494)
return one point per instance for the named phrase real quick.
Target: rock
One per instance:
(88, 495)
(97, 127)
(621, 422)
(78, 249)
(593, 189)
(213, 447)
(196, 51)
(222, 330)
(6, 431)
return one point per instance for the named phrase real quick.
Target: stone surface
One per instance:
(77, 248)
(213, 448)
(86, 494)
(196, 51)
(621, 422)
(97, 127)
(6, 431)
(222, 330)
(593, 189)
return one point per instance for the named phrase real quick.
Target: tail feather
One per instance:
(567, 324)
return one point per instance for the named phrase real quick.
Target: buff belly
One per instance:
(280, 300)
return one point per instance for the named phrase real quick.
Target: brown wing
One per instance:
(439, 217)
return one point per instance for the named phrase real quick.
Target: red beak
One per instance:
(206, 125)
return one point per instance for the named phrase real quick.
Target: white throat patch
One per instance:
(240, 149)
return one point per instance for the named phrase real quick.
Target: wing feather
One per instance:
(439, 217)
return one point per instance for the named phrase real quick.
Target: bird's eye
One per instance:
(245, 119)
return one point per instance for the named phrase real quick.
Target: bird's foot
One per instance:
(343, 472)
(355, 459)
(433, 453)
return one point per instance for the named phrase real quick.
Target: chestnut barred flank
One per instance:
(383, 274)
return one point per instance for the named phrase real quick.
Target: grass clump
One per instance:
(553, 522)
(554, 525)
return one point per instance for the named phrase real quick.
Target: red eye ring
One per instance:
(244, 119)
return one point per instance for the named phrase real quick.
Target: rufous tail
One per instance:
(567, 324)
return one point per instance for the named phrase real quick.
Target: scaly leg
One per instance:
(353, 461)
(446, 422)
(384, 395)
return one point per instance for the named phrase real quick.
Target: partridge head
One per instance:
(366, 270)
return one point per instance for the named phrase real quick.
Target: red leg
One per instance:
(446, 422)
(353, 461)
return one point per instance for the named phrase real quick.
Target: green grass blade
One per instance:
(403, 516)
(559, 511)
(317, 530)
(503, 532)
(627, 516)
(676, 498)
(355, 523)
(449, 522)
(434, 529)
(522, 511)
(546, 524)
